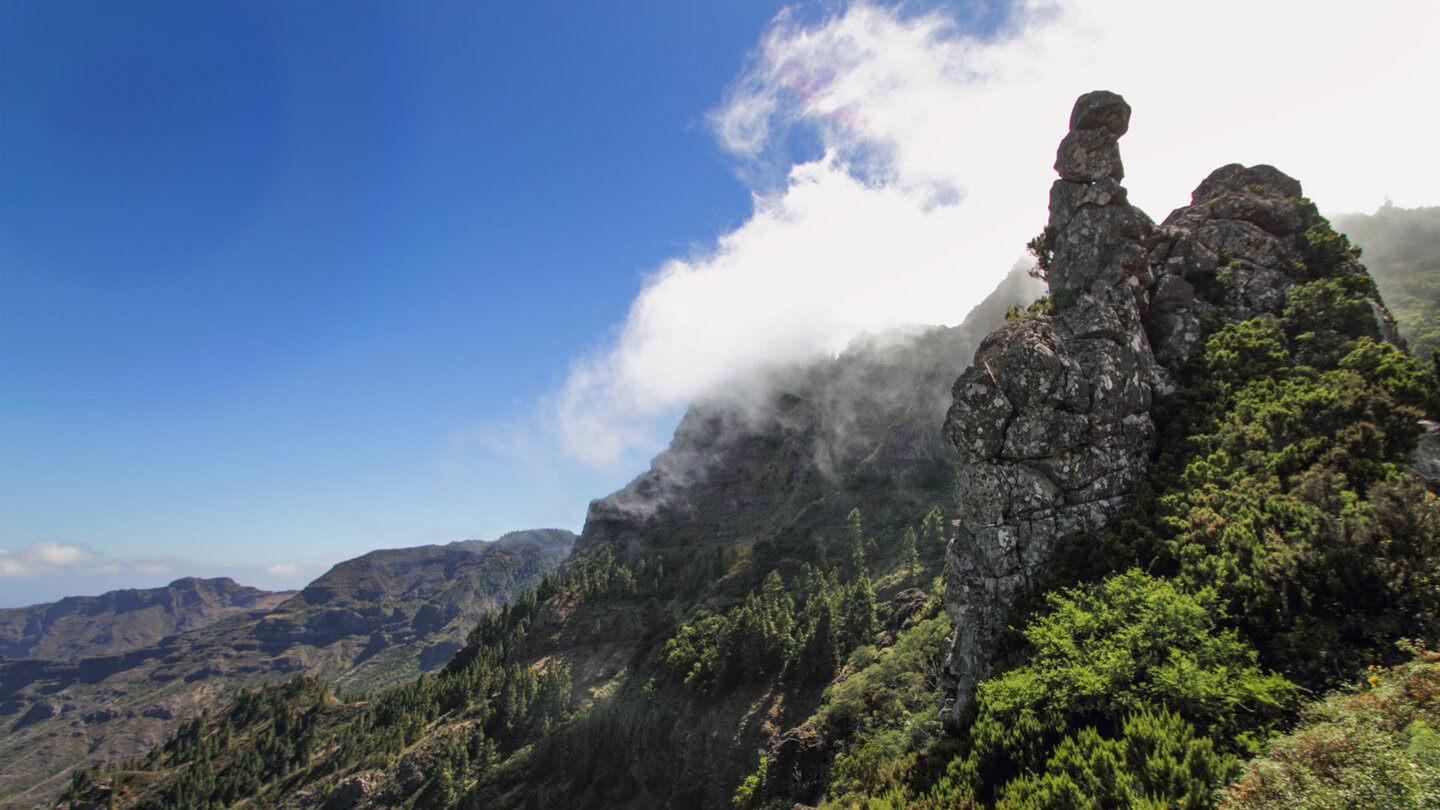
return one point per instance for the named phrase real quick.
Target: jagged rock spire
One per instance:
(1091, 151)
(1052, 422)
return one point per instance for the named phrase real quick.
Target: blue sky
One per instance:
(281, 283)
(261, 259)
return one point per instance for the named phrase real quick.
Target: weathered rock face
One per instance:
(1425, 461)
(1053, 421)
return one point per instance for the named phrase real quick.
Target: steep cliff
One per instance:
(1053, 423)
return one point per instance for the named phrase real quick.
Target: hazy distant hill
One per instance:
(106, 677)
(83, 626)
(395, 613)
(1402, 251)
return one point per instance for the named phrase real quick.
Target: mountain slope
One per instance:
(1402, 251)
(780, 458)
(118, 621)
(750, 484)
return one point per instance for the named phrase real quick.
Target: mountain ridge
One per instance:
(93, 625)
(406, 612)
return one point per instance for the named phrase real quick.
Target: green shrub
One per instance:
(1374, 747)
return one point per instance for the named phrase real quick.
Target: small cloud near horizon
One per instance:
(285, 570)
(47, 570)
(44, 556)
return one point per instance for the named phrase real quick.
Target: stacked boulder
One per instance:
(1052, 420)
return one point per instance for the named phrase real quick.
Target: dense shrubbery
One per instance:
(1376, 746)
(1284, 486)
(1284, 540)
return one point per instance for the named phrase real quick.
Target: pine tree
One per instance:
(932, 534)
(911, 558)
(855, 542)
(819, 652)
(857, 613)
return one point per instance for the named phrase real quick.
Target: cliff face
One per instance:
(1053, 422)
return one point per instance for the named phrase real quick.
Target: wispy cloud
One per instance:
(44, 557)
(46, 570)
(936, 150)
(157, 568)
(285, 570)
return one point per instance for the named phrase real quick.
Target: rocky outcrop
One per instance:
(800, 766)
(1052, 422)
(353, 791)
(1425, 461)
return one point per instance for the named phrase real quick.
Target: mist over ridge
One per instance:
(931, 158)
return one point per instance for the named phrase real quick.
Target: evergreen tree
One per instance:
(855, 544)
(857, 622)
(932, 534)
(819, 651)
(910, 558)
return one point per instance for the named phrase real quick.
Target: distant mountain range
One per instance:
(120, 621)
(98, 678)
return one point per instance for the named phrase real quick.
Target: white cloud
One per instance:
(937, 153)
(287, 570)
(47, 570)
(43, 557)
(154, 567)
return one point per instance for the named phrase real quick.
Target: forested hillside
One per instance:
(1402, 251)
(1176, 558)
(703, 615)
